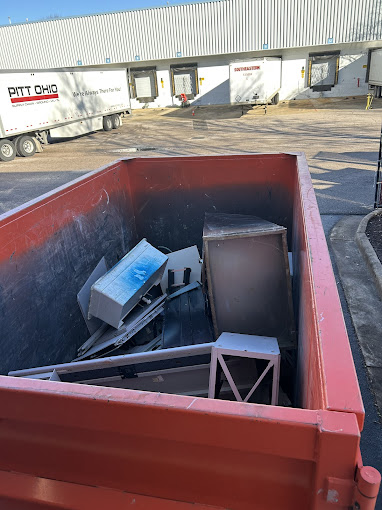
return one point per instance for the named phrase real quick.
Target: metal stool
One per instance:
(245, 346)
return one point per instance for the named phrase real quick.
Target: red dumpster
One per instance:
(82, 446)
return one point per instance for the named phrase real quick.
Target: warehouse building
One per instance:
(322, 46)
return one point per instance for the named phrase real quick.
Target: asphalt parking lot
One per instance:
(339, 137)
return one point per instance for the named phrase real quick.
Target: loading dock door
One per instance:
(145, 83)
(185, 81)
(323, 71)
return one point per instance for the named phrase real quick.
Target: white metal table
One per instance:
(246, 346)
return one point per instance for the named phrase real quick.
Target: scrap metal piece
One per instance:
(114, 338)
(92, 340)
(83, 297)
(55, 376)
(45, 372)
(187, 288)
(249, 285)
(115, 294)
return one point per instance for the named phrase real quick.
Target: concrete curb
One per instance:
(368, 252)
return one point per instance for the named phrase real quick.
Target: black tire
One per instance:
(7, 150)
(25, 146)
(116, 120)
(107, 123)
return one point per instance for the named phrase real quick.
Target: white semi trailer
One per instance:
(36, 105)
(375, 72)
(255, 81)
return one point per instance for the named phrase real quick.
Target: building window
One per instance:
(185, 80)
(143, 83)
(323, 71)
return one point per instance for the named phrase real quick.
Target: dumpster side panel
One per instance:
(23, 492)
(47, 253)
(327, 375)
(171, 195)
(222, 453)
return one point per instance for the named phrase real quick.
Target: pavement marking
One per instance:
(347, 200)
(321, 184)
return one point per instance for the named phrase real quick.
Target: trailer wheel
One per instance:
(25, 146)
(107, 123)
(116, 120)
(7, 150)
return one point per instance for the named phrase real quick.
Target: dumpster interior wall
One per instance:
(47, 256)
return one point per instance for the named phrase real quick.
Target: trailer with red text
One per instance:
(255, 81)
(35, 105)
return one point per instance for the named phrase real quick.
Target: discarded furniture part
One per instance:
(248, 277)
(178, 261)
(185, 319)
(183, 370)
(83, 297)
(250, 346)
(115, 294)
(179, 370)
(123, 360)
(113, 338)
(288, 457)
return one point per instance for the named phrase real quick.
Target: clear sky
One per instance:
(20, 10)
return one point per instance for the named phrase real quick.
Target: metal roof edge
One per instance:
(181, 4)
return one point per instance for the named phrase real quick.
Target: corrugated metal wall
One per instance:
(209, 28)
